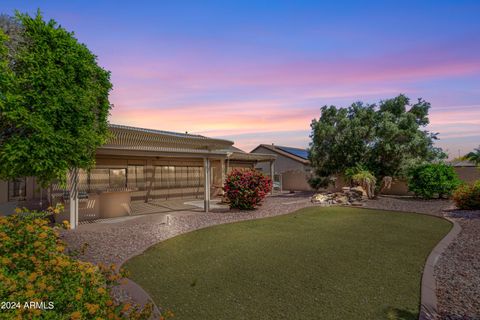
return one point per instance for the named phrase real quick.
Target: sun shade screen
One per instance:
(302, 153)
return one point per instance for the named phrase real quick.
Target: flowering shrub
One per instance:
(39, 280)
(468, 196)
(245, 189)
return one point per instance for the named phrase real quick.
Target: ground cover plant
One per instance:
(36, 269)
(245, 189)
(316, 263)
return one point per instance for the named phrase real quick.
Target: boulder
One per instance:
(359, 190)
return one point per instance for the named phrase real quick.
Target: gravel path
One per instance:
(458, 271)
(409, 204)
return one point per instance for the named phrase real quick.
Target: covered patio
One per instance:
(143, 171)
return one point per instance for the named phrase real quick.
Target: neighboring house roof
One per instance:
(302, 153)
(234, 153)
(297, 154)
(463, 163)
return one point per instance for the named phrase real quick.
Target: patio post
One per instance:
(272, 173)
(223, 169)
(73, 198)
(206, 166)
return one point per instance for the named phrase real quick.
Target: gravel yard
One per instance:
(457, 271)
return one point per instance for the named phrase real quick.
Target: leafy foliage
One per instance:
(53, 102)
(34, 266)
(245, 189)
(384, 139)
(433, 180)
(363, 178)
(467, 196)
(474, 156)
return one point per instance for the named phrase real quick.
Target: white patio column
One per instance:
(272, 173)
(224, 171)
(73, 192)
(206, 166)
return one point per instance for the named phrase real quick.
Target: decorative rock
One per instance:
(359, 190)
(346, 197)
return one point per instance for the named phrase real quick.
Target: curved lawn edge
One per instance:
(428, 297)
(428, 301)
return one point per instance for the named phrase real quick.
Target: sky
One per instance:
(259, 71)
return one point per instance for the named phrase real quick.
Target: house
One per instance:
(292, 166)
(138, 167)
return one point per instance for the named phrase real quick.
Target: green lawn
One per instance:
(316, 263)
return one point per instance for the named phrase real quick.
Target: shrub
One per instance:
(35, 268)
(360, 176)
(245, 189)
(433, 180)
(467, 196)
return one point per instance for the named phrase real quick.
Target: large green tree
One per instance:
(385, 138)
(53, 100)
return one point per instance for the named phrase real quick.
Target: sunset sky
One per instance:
(259, 71)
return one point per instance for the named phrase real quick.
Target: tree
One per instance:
(384, 139)
(53, 101)
(474, 156)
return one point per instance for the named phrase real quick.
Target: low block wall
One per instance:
(298, 181)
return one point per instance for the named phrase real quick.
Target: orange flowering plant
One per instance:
(34, 268)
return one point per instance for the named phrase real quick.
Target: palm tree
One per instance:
(474, 156)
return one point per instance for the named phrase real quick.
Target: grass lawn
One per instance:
(316, 263)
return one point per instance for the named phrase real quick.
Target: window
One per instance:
(17, 189)
(136, 177)
(118, 178)
(99, 179)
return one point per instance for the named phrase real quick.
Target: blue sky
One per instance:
(259, 71)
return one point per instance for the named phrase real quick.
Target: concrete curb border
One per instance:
(428, 299)
(139, 296)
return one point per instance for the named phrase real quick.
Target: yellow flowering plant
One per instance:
(34, 267)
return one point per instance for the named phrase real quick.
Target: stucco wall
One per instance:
(295, 180)
(468, 174)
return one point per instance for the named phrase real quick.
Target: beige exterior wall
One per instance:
(295, 180)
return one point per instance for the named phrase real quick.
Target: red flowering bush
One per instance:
(40, 280)
(245, 189)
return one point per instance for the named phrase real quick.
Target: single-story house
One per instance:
(139, 166)
(291, 165)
